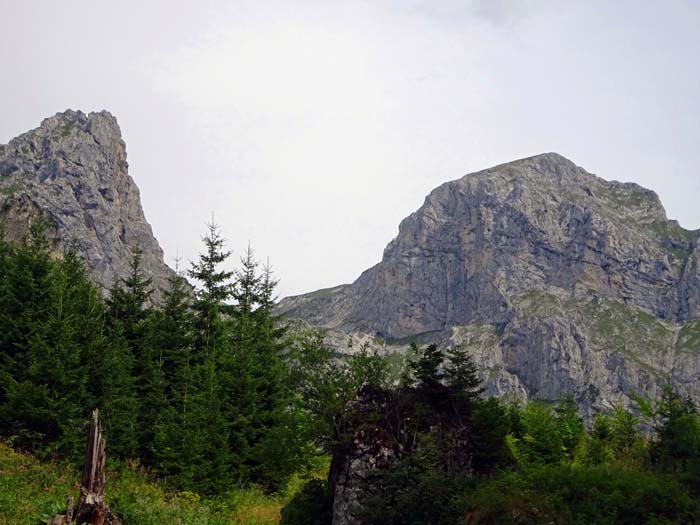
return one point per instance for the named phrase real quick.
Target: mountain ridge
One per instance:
(488, 253)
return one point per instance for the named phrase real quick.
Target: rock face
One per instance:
(382, 430)
(72, 170)
(369, 448)
(559, 281)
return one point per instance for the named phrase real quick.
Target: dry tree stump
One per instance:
(91, 508)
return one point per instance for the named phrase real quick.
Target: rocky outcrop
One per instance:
(368, 448)
(72, 170)
(382, 428)
(559, 281)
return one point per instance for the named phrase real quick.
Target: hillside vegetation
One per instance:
(216, 412)
(31, 491)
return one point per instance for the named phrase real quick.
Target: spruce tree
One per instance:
(209, 468)
(172, 369)
(264, 398)
(426, 368)
(125, 361)
(461, 373)
(48, 336)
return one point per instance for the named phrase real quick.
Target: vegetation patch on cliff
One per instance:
(620, 327)
(689, 337)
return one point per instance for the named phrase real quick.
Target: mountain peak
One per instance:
(78, 117)
(543, 159)
(538, 222)
(72, 170)
(557, 280)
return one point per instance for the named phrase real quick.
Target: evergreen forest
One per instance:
(205, 391)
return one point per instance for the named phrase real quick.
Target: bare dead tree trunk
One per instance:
(91, 507)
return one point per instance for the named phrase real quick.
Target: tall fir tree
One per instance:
(170, 377)
(210, 452)
(426, 366)
(126, 360)
(461, 373)
(262, 393)
(51, 321)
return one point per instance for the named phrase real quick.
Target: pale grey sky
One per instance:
(312, 128)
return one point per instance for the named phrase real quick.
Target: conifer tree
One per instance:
(211, 453)
(48, 335)
(172, 368)
(265, 399)
(461, 373)
(677, 441)
(426, 368)
(126, 359)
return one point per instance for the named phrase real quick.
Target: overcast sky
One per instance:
(311, 129)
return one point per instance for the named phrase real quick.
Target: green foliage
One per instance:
(124, 363)
(325, 386)
(426, 366)
(461, 373)
(214, 396)
(418, 490)
(548, 435)
(689, 337)
(49, 319)
(560, 493)
(491, 422)
(32, 491)
(676, 447)
(615, 437)
(366, 367)
(310, 506)
(200, 389)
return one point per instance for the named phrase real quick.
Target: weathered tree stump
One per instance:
(91, 507)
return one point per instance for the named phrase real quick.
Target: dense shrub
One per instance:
(312, 505)
(561, 493)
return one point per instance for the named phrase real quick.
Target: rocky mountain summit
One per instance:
(559, 282)
(72, 170)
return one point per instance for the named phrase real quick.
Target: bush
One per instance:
(310, 506)
(565, 494)
(418, 490)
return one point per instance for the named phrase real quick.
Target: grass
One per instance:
(396, 364)
(323, 292)
(627, 196)
(676, 239)
(541, 304)
(67, 129)
(627, 329)
(673, 230)
(420, 338)
(9, 190)
(689, 337)
(31, 491)
(617, 325)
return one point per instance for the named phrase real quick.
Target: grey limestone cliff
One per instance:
(72, 170)
(559, 281)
